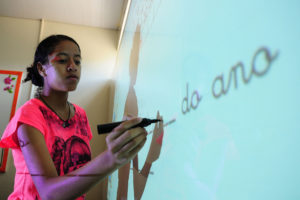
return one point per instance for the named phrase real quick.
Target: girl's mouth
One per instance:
(73, 77)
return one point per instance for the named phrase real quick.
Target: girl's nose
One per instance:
(71, 66)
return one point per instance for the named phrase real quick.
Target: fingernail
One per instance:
(139, 119)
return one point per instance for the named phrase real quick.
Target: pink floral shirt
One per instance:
(69, 147)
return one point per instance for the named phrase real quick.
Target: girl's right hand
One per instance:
(124, 143)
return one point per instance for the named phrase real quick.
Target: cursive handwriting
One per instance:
(261, 53)
(219, 88)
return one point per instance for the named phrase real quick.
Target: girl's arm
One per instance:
(123, 144)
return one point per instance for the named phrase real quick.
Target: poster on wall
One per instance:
(9, 89)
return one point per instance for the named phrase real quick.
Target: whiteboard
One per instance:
(225, 76)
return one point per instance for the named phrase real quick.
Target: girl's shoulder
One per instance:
(78, 109)
(32, 104)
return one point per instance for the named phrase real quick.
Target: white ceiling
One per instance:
(96, 13)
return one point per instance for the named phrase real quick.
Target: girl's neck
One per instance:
(56, 99)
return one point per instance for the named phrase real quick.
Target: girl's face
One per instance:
(62, 72)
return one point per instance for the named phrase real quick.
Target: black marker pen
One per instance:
(106, 128)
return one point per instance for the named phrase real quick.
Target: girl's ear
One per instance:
(41, 69)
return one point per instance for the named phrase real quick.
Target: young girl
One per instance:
(50, 137)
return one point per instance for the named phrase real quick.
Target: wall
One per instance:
(19, 38)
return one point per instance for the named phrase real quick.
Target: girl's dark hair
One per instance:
(45, 48)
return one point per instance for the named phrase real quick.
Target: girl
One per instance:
(50, 137)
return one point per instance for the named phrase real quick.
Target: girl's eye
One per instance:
(77, 62)
(62, 61)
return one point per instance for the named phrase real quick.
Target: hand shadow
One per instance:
(131, 107)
